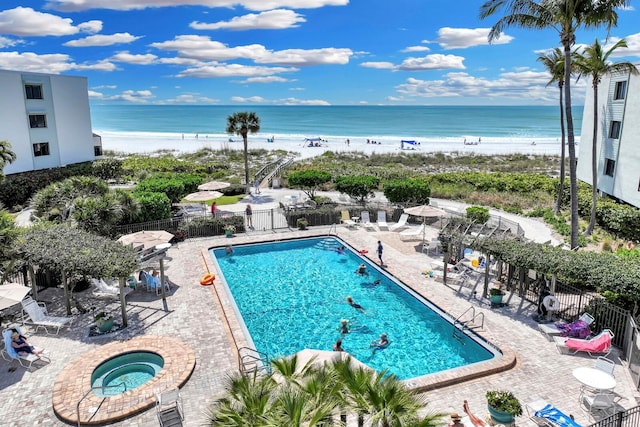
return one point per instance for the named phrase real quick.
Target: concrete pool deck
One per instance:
(194, 315)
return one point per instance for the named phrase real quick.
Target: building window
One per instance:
(621, 90)
(41, 149)
(609, 167)
(97, 150)
(33, 91)
(37, 121)
(614, 129)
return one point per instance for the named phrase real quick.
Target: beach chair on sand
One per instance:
(346, 220)
(365, 220)
(382, 220)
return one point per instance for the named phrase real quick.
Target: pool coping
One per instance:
(507, 360)
(74, 381)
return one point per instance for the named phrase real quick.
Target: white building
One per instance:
(618, 155)
(46, 119)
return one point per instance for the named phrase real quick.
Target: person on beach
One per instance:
(355, 305)
(249, 213)
(214, 208)
(379, 250)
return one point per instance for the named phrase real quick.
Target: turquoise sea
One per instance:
(415, 122)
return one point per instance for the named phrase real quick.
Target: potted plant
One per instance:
(503, 406)
(104, 321)
(229, 230)
(302, 223)
(496, 295)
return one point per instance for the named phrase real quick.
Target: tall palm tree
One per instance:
(594, 62)
(566, 17)
(554, 63)
(6, 155)
(242, 124)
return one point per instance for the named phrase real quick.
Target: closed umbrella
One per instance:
(425, 211)
(213, 185)
(11, 294)
(147, 238)
(202, 196)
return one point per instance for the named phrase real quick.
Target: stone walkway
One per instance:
(192, 314)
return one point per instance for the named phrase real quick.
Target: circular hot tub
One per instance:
(125, 372)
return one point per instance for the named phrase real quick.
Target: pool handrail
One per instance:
(95, 388)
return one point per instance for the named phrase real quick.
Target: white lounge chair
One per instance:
(382, 220)
(401, 224)
(598, 345)
(433, 245)
(413, 233)
(104, 288)
(9, 353)
(169, 408)
(365, 221)
(39, 317)
(346, 220)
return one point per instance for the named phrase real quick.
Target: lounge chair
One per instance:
(599, 401)
(413, 234)
(545, 413)
(169, 408)
(153, 283)
(598, 345)
(382, 220)
(103, 288)
(346, 220)
(401, 224)
(39, 316)
(432, 246)
(575, 329)
(365, 220)
(25, 359)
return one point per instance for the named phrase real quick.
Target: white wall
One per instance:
(14, 126)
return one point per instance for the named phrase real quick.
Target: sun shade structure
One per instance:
(11, 294)
(202, 196)
(147, 239)
(425, 211)
(213, 185)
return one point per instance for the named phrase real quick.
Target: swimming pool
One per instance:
(292, 295)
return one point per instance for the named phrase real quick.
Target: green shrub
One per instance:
(108, 169)
(478, 214)
(152, 206)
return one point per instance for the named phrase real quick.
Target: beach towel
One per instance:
(556, 416)
(577, 329)
(600, 344)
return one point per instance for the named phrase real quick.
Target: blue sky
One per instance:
(287, 52)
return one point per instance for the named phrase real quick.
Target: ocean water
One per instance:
(518, 124)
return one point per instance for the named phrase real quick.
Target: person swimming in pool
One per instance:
(345, 327)
(340, 250)
(355, 305)
(338, 345)
(380, 343)
(362, 270)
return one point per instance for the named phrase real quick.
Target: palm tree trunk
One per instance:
(246, 164)
(562, 153)
(594, 163)
(566, 41)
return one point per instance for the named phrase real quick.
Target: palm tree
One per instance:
(594, 62)
(241, 124)
(6, 155)
(564, 16)
(554, 63)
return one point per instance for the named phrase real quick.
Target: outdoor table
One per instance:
(355, 218)
(594, 378)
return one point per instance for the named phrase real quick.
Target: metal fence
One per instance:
(632, 351)
(628, 418)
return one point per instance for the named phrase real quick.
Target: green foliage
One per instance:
(8, 234)
(207, 226)
(107, 169)
(308, 180)
(504, 401)
(174, 186)
(302, 223)
(152, 206)
(358, 187)
(97, 215)
(57, 201)
(408, 191)
(509, 182)
(478, 214)
(134, 164)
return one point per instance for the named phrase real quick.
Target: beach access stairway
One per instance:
(268, 171)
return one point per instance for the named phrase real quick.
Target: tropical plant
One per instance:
(408, 191)
(504, 401)
(554, 63)
(594, 62)
(478, 214)
(358, 187)
(308, 180)
(6, 155)
(566, 17)
(242, 124)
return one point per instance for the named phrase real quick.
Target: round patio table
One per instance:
(594, 378)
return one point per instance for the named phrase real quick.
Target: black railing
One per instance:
(628, 418)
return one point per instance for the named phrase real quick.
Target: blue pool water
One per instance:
(292, 296)
(125, 372)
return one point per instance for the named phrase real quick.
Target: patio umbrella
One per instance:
(202, 196)
(213, 185)
(425, 211)
(11, 294)
(148, 239)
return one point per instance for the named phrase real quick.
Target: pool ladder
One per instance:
(102, 387)
(460, 325)
(251, 360)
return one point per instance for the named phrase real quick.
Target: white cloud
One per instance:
(95, 95)
(295, 101)
(5, 42)
(307, 57)
(103, 40)
(77, 5)
(268, 79)
(250, 99)
(415, 49)
(462, 38)
(633, 46)
(103, 65)
(90, 27)
(105, 87)
(136, 96)
(133, 59)
(271, 20)
(28, 61)
(24, 21)
(380, 65)
(231, 70)
(436, 61)
(190, 98)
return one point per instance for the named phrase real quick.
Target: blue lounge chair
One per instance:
(25, 359)
(153, 283)
(548, 414)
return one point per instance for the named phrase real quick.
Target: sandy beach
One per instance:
(144, 142)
